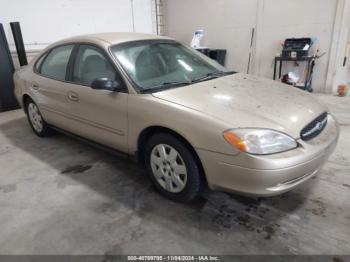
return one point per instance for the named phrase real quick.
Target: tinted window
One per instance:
(153, 63)
(55, 64)
(91, 64)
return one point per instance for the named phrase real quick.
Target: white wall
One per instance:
(228, 23)
(337, 72)
(46, 21)
(143, 19)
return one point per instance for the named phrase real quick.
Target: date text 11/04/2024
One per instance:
(173, 258)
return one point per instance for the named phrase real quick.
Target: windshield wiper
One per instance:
(164, 86)
(213, 75)
(168, 85)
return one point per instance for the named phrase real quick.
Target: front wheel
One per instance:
(36, 121)
(172, 168)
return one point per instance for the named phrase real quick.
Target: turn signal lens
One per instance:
(235, 141)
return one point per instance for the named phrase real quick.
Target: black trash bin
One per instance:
(205, 51)
(218, 55)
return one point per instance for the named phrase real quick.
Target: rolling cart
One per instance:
(296, 50)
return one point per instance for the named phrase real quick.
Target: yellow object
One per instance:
(342, 90)
(235, 141)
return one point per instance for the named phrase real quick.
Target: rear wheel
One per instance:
(172, 167)
(36, 121)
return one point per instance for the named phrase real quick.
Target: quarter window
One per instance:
(91, 64)
(39, 62)
(55, 64)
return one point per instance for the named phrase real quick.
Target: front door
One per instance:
(99, 115)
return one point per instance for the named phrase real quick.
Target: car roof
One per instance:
(113, 38)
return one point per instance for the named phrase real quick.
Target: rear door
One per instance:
(49, 85)
(99, 115)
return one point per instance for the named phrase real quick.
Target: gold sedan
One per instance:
(191, 122)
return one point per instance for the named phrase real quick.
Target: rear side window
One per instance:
(56, 62)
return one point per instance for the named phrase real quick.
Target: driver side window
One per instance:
(90, 64)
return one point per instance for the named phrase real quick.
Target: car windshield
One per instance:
(155, 65)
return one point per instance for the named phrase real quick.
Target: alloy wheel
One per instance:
(168, 168)
(35, 117)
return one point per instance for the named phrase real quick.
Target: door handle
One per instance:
(35, 86)
(73, 96)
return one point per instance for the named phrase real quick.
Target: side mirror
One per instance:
(106, 84)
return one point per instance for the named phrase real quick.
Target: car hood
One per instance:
(243, 100)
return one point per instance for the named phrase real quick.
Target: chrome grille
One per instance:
(314, 128)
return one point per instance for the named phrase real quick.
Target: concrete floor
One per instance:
(61, 196)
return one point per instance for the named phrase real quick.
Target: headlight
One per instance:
(259, 141)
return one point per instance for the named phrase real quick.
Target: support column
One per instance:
(341, 35)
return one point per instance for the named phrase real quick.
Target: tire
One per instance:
(175, 174)
(36, 121)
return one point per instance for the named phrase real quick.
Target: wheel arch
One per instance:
(148, 132)
(25, 98)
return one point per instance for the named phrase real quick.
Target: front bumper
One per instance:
(272, 174)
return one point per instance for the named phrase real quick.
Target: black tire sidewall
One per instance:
(193, 182)
(46, 131)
